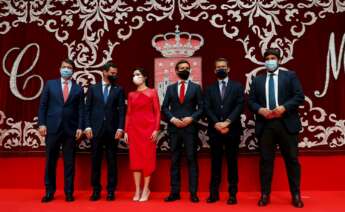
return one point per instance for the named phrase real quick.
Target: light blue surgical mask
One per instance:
(271, 65)
(66, 72)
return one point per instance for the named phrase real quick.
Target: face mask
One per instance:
(221, 73)
(112, 79)
(271, 65)
(138, 80)
(184, 74)
(66, 72)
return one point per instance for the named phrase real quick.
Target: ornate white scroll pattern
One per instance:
(99, 26)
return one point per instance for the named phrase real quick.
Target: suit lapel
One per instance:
(100, 91)
(59, 90)
(227, 90)
(175, 90)
(71, 92)
(188, 91)
(111, 93)
(281, 78)
(217, 91)
(262, 87)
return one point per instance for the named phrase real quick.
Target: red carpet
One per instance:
(29, 200)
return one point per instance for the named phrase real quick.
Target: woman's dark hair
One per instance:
(142, 72)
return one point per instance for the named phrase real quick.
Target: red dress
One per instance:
(143, 117)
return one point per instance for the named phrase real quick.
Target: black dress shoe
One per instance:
(194, 198)
(232, 200)
(172, 198)
(110, 196)
(47, 198)
(297, 201)
(69, 198)
(264, 200)
(212, 199)
(96, 195)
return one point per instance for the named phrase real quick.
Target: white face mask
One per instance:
(138, 80)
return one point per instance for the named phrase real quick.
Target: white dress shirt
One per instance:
(69, 84)
(185, 86)
(220, 85)
(275, 79)
(104, 84)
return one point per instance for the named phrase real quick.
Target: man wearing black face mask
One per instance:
(104, 121)
(182, 107)
(223, 107)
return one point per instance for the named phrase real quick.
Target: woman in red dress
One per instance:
(142, 127)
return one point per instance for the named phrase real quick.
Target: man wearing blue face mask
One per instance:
(223, 106)
(60, 119)
(274, 98)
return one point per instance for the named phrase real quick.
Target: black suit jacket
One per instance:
(53, 112)
(112, 113)
(192, 105)
(290, 95)
(231, 107)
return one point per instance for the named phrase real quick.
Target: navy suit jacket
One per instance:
(231, 107)
(290, 95)
(192, 105)
(53, 112)
(112, 113)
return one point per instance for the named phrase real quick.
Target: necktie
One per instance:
(182, 91)
(223, 88)
(271, 93)
(106, 93)
(65, 90)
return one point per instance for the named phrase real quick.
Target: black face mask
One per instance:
(221, 73)
(184, 74)
(112, 79)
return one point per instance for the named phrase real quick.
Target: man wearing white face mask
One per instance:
(274, 98)
(142, 127)
(60, 119)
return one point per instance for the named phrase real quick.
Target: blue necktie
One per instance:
(271, 93)
(106, 93)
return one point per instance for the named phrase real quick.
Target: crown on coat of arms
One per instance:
(177, 44)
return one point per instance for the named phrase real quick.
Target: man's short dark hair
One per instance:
(272, 51)
(222, 59)
(69, 61)
(181, 62)
(109, 65)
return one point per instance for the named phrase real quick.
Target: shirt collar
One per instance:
(275, 73)
(226, 80)
(104, 83)
(63, 80)
(185, 81)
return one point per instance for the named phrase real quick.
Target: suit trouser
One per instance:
(104, 141)
(53, 143)
(220, 144)
(275, 133)
(188, 140)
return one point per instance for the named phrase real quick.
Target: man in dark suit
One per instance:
(223, 107)
(60, 120)
(104, 122)
(182, 107)
(274, 98)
